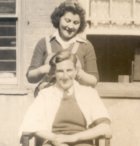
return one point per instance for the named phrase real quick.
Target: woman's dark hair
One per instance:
(74, 8)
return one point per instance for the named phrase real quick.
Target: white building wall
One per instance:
(36, 24)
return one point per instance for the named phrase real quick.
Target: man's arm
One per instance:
(102, 129)
(45, 135)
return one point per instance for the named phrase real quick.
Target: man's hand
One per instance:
(59, 139)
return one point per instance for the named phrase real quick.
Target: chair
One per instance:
(100, 141)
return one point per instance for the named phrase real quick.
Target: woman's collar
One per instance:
(65, 44)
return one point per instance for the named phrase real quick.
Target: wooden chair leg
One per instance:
(107, 142)
(25, 140)
(102, 142)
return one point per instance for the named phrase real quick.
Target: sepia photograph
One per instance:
(69, 72)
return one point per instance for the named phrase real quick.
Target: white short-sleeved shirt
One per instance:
(41, 114)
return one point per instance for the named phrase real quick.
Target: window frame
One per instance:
(110, 3)
(16, 81)
(122, 90)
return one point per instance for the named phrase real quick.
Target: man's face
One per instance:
(65, 74)
(69, 25)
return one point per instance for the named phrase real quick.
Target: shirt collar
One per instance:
(69, 92)
(64, 44)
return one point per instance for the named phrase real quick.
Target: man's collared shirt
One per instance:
(41, 113)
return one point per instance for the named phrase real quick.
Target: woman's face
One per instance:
(69, 25)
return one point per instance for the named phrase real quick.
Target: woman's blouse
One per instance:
(85, 53)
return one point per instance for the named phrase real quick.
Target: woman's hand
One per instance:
(80, 74)
(35, 75)
(86, 78)
(44, 69)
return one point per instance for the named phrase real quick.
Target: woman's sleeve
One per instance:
(38, 58)
(39, 54)
(91, 61)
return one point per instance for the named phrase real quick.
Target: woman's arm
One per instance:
(91, 61)
(88, 75)
(85, 78)
(38, 68)
(35, 75)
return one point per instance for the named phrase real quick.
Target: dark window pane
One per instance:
(7, 63)
(8, 55)
(7, 30)
(8, 21)
(7, 6)
(7, 42)
(7, 66)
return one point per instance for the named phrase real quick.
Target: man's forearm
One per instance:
(102, 129)
(44, 135)
(89, 134)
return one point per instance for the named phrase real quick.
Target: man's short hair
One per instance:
(62, 56)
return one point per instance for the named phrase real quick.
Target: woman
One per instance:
(69, 20)
(63, 114)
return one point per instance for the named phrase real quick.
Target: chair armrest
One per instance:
(102, 141)
(25, 138)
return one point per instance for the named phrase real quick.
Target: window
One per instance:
(115, 56)
(114, 32)
(114, 11)
(8, 41)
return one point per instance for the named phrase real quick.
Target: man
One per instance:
(67, 113)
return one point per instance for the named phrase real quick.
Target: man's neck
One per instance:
(69, 91)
